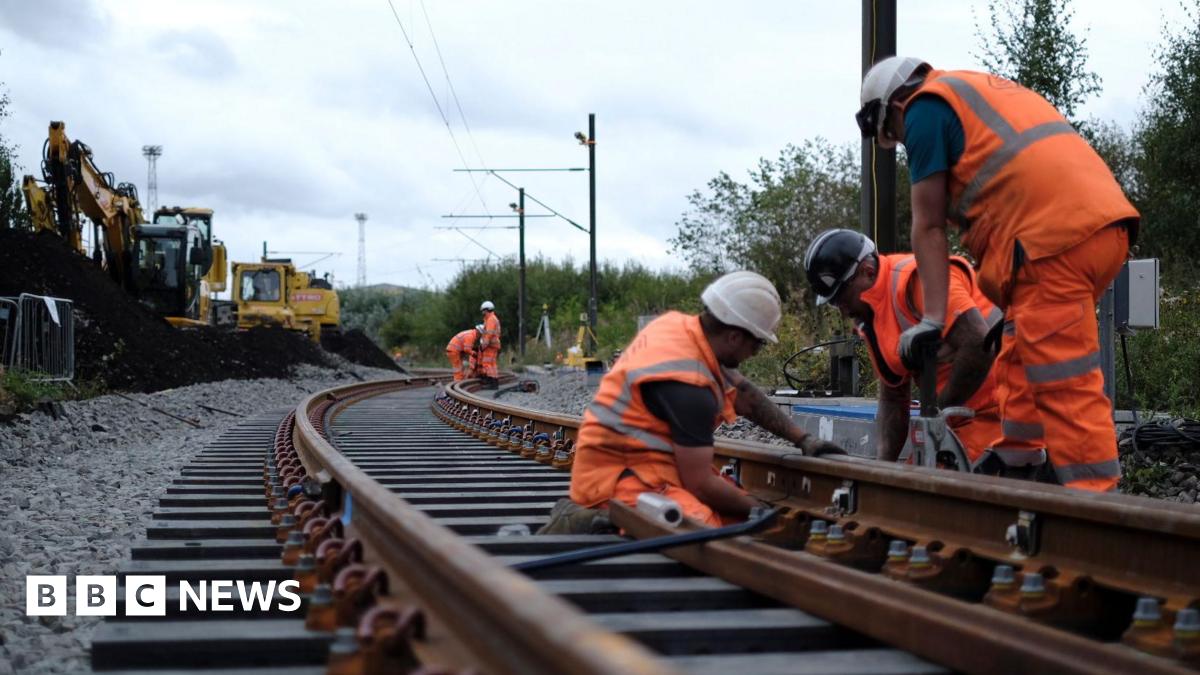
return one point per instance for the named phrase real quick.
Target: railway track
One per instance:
(401, 516)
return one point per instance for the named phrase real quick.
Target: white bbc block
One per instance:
(46, 595)
(145, 595)
(95, 595)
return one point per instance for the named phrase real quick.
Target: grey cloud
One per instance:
(64, 24)
(197, 53)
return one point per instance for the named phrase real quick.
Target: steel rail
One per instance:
(1090, 548)
(506, 623)
(966, 637)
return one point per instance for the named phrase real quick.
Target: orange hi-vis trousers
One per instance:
(1049, 383)
(487, 362)
(456, 363)
(600, 475)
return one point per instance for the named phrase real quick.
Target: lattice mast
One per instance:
(362, 248)
(152, 153)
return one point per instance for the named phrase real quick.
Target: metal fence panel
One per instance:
(8, 330)
(45, 337)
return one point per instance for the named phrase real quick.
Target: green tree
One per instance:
(1119, 150)
(12, 204)
(766, 224)
(1168, 173)
(1031, 42)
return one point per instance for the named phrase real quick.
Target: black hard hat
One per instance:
(833, 258)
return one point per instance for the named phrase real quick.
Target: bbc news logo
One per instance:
(146, 595)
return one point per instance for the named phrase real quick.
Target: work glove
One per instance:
(928, 332)
(815, 447)
(992, 341)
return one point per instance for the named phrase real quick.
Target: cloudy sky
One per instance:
(287, 117)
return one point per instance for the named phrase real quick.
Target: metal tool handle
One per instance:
(927, 378)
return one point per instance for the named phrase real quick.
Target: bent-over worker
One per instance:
(462, 350)
(882, 294)
(1049, 228)
(650, 426)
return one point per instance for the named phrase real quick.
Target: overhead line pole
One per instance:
(591, 143)
(878, 206)
(521, 292)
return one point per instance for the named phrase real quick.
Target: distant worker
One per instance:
(1049, 228)
(650, 426)
(489, 345)
(463, 350)
(882, 295)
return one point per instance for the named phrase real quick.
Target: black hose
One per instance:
(795, 382)
(1157, 434)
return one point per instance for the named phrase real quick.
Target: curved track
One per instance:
(394, 521)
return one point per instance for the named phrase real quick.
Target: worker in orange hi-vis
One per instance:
(882, 295)
(462, 351)
(489, 345)
(650, 426)
(1049, 228)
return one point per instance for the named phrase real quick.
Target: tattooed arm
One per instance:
(892, 420)
(971, 361)
(754, 405)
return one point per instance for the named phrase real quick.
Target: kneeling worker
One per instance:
(882, 295)
(650, 427)
(462, 352)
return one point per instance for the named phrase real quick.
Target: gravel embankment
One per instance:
(77, 491)
(1171, 474)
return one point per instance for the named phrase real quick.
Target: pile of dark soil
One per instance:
(356, 347)
(122, 344)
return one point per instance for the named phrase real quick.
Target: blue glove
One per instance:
(912, 340)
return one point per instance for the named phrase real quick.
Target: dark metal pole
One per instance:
(521, 292)
(878, 212)
(592, 227)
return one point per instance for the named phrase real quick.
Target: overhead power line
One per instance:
(454, 94)
(437, 103)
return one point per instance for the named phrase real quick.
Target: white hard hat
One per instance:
(746, 300)
(881, 83)
(487, 304)
(479, 327)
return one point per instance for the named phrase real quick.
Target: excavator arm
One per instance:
(75, 185)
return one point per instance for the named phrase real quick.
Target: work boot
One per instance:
(567, 517)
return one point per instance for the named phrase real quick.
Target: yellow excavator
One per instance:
(172, 265)
(274, 293)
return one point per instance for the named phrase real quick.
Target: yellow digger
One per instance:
(274, 293)
(171, 266)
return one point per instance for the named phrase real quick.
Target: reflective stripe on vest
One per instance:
(996, 314)
(1012, 143)
(1072, 472)
(612, 416)
(901, 319)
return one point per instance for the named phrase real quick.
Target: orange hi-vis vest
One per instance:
(463, 342)
(620, 432)
(491, 332)
(893, 303)
(1024, 176)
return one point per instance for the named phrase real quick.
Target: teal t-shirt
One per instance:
(933, 137)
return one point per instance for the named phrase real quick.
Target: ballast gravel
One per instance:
(77, 491)
(1162, 473)
(567, 391)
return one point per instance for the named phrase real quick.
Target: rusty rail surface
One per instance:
(473, 612)
(1061, 568)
